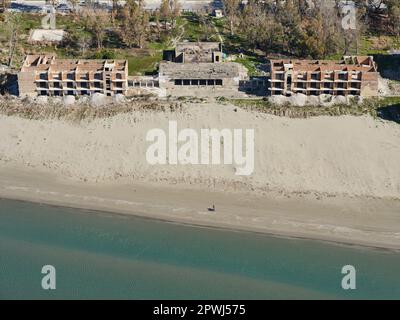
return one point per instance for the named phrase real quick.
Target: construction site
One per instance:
(357, 76)
(47, 76)
(197, 69)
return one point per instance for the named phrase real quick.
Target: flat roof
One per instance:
(198, 46)
(201, 70)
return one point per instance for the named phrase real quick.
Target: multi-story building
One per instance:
(49, 76)
(351, 76)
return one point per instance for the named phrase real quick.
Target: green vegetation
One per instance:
(390, 102)
(387, 108)
(251, 63)
(191, 27)
(52, 110)
(143, 65)
(249, 33)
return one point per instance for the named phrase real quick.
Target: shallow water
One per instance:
(104, 255)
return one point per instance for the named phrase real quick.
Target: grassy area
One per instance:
(143, 65)
(140, 62)
(251, 63)
(220, 24)
(372, 45)
(390, 102)
(192, 29)
(379, 45)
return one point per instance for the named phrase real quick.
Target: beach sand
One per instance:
(327, 178)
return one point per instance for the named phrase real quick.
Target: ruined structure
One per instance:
(144, 85)
(197, 69)
(47, 75)
(48, 34)
(188, 52)
(356, 76)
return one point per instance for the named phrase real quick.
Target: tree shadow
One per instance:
(216, 4)
(388, 65)
(113, 40)
(390, 112)
(9, 84)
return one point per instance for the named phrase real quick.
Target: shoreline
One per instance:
(143, 216)
(306, 219)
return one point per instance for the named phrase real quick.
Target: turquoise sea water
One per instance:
(102, 255)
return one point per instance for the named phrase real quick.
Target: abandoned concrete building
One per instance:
(201, 79)
(197, 69)
(47, 75)
(189, 52)
(356, 76)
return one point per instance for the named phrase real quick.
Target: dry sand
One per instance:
(332, 178)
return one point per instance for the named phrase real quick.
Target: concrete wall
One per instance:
(229, 88)
(26, 84)
(369, 85)
(205, 92)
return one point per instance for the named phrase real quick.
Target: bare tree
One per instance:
(165, 12)
(96, 24)
(4, 4)
(13, 23)
(74, 4)
(114, 10)
(175, 11)
(84, 42)
(394, 16)
(231, 8)
(134, 24)
(53, 3)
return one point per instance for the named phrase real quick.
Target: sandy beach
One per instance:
(326, 178)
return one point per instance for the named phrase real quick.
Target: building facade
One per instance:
(356, 76)
(49, 76)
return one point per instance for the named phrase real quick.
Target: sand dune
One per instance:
(326, 155)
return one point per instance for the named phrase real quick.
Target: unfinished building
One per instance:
(197, 69)
(49, 76)
(48, 34)
(189, 52)
(356, 76)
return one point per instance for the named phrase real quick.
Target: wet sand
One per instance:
(356, 221)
